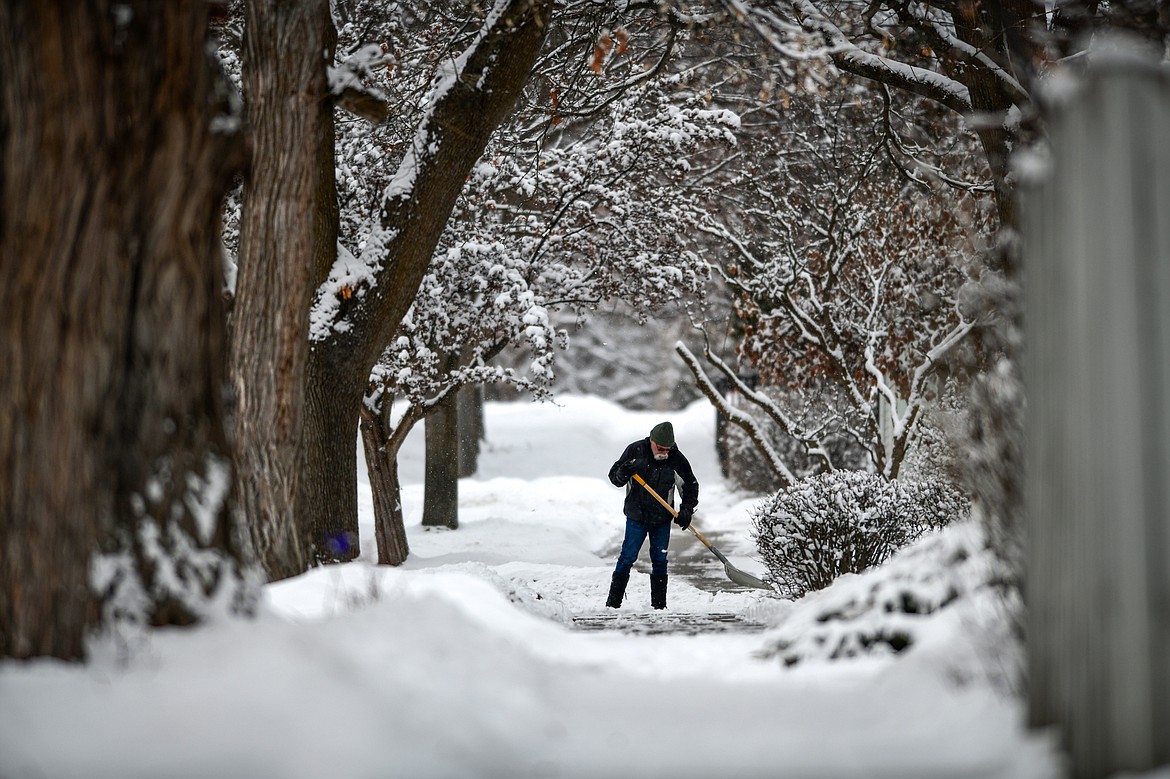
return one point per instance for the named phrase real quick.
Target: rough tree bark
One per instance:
(288, 238)
(327, 486)
(450, 141)
(116, 492)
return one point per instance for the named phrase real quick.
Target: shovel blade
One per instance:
(737, 576)
(742, 578)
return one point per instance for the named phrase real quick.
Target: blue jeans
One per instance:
(636, 533)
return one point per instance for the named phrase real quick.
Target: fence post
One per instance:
(1096, 234)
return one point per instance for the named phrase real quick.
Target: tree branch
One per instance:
(736, 417)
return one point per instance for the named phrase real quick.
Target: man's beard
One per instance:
(661, 456)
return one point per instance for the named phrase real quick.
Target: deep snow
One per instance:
(463, 662)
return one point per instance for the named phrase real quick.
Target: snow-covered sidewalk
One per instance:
(463, 662)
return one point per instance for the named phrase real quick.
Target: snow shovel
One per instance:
(739, 577)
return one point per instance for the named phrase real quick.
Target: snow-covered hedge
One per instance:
(941, 597)
(845, 522)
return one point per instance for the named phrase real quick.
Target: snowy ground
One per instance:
(464, 662)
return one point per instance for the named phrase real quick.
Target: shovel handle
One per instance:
(706, 543)
(672, 510)
(657, 497)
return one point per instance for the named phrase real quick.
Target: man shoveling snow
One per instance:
(660, 464)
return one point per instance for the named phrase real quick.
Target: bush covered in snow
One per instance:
(845, 522)
(940, 597)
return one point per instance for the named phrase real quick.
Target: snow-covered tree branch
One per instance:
(831, 278)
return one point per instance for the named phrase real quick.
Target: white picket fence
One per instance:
(1097, 370)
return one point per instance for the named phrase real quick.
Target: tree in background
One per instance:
(445, 344)
(847, 275)
(411, 42)
(978, 60)
(589, 219)
(982, 62)
(116, 480)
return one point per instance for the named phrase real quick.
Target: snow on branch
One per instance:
(958, 47)
(812, 445)
(735, 416)
(348, 83)
(469, 95)
(895, 143)
(349, 279)
(426, 140)
(807, 17)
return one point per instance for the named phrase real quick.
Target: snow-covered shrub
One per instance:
(933, 504)
(939, 597)
(844, 522)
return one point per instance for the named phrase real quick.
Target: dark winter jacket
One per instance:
(662, 475)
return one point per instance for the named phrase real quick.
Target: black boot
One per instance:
(617, 589)
(658, 591)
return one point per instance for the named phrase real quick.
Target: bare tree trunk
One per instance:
(471, 428)
(381, 448)
(288, 232)
(441, 493)
(327, 491)
(116, 496)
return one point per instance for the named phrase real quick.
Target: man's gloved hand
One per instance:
(685, 514)
(628, 469)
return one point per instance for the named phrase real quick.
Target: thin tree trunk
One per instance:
(116, 495)
(471, 428)
(288, 231)
(441, 493)
(381, 448)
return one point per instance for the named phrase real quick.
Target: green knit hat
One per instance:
(663, 434)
